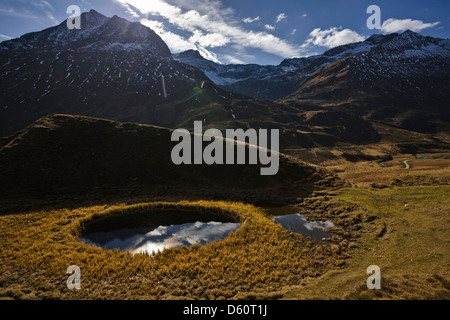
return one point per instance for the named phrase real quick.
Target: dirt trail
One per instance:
(407, 165)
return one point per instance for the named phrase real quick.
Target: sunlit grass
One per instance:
(408, 240)
(259, 258)
(402, 228)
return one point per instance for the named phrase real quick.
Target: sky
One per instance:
(243, 31)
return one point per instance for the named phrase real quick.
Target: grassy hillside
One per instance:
(63, 154)
(338, 86)
(255, 261)
(64, 172)
(404, 231)
(401, 228)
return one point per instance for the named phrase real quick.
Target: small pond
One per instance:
(157, 231)
(290, 219)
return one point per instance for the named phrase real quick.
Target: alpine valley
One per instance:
(114, 69)
(87, 123)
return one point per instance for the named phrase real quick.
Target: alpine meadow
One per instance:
(216, 150)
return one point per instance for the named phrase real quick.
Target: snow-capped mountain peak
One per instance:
(93, 19)
(109, 68)
(378, 57)
(97, 31)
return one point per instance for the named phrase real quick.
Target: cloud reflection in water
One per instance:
(164, 237)
(298, 223)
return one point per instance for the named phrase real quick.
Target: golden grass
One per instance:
(403, 228)
(257, 260)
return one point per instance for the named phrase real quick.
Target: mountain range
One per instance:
(386, 75)
(110, 68)
(88, 155)
(123, 71)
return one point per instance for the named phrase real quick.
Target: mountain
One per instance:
(399, 78)
(113, 69)
(402, 78)
(61, 154)
(269, 82)
(97, 32)
(261, 82)
(110, 68)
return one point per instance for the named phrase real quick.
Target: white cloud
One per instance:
(209, 40)
(396, 25)
(212, 19)
(332, 37)
(208, 54)
(176, 43)
(4, 37)
(46, 8)
(213, 8)
(250, 20)
(269, 27)
(42, 4)
(229, 59)
(281, 17)
(304, 15)
(42, 17)
(293, 31)
(133, 13)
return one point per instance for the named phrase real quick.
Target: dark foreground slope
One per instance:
(62, 154)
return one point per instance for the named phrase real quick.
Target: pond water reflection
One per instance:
(156, 231)
(149, 240)
(298, 223)
(290, 218)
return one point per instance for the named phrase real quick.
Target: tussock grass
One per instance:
(402, 227)
(258, 259)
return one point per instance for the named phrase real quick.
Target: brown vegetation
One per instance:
(257, 260)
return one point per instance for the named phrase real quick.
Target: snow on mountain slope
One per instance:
(268, 82)
(404, 59)
(96, 31)
(110, 68)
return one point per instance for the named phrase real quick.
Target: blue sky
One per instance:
(242, 31)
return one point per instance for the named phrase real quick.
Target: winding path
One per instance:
(407, 166)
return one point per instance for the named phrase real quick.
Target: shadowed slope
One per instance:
(66, 154)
